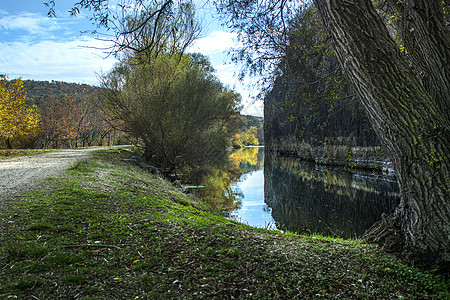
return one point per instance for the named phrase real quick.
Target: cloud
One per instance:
(215, 42)
(253, 108)
(30, 22)
(55, 60)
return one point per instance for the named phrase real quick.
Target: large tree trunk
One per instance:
(410, 124)
(421, 26)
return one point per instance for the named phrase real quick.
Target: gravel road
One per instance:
(27, 172)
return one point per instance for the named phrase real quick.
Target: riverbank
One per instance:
(108, 230)
(340, 153)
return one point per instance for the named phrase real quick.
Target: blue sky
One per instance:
(33, 46)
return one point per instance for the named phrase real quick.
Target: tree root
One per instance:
(386, 234)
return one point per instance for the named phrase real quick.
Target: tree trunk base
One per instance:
(386, 234)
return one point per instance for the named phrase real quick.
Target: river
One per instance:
(288, 194)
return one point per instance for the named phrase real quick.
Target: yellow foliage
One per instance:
(248, 156)
(250, 136)
(18, 121)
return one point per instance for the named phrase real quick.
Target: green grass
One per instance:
(108, 230)
(10, 153)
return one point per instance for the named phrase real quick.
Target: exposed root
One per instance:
(386, 234)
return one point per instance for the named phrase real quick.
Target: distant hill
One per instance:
(38, 91)
(249, 121)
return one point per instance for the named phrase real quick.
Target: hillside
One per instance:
(38, 91)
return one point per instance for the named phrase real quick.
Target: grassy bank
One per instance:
(9, 153)
(108, 230)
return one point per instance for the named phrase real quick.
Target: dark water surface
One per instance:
(332, 201)
(289, 194)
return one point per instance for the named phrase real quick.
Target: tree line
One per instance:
(39, 114)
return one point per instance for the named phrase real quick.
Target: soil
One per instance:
(25, 173)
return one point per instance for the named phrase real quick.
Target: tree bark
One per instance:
(8, 144)
(408, 121)
(420, 24)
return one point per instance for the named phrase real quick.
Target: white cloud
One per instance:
(55, 60)
(254, 108)
(215, 42)
(30, 22)
(36, 53)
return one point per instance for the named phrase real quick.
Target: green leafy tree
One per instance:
(176, 107)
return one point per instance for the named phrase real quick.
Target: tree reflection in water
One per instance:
(307, 198)
(217, 181)
(299, 196)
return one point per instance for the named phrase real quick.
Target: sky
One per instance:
(33, 46)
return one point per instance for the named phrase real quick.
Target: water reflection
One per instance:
(308, 198)
(250, 190)
(294, 195)
(218, 182)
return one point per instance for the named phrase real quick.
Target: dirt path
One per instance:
(27, 172)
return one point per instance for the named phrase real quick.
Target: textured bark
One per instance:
(409, 122)
(421, 26)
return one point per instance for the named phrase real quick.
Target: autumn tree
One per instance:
(52, 111)
(74, 120)
(19, 121)
(63, 119)
(246, 138)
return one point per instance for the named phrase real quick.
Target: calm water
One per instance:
(288, 194)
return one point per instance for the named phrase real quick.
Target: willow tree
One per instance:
(175, 107)
(408, 104)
